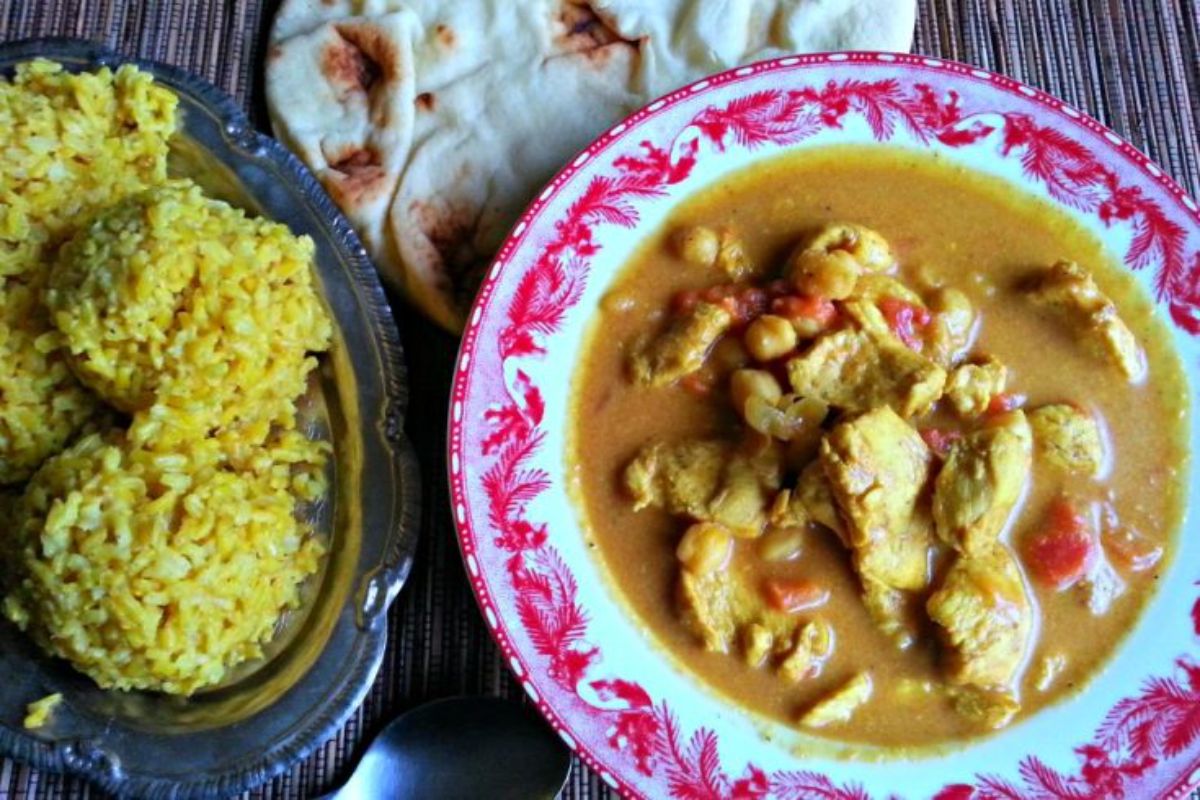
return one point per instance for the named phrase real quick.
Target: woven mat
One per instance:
(1130, 63)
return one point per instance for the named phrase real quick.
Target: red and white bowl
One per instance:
(614, 695)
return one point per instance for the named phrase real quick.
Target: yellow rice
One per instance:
(68, 144)
(151, 570)
(38, 712)
(174, 299)
(161, 554)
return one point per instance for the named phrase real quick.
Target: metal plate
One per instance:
(272, 713)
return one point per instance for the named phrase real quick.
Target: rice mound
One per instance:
(69, 144)
(175, 300)
(160, 551)
(161, 571)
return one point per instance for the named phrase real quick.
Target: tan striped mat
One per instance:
(1133, 64)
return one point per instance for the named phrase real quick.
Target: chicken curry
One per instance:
(878, 447)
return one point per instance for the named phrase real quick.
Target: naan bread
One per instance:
(433, 123)
(346, 89)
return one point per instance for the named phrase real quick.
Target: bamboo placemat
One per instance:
(1132, 64)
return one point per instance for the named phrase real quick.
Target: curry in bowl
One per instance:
(879, 447)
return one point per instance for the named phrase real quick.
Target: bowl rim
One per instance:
(391, 551)
(458, 422)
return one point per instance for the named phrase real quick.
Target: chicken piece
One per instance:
(986, 619)
(952, 328)
(987, 708)
(841, 704)
(873, 287)
(863, 308)
(1072, 291)
(971, 387)
(681, 349)
(815, 495)
(709, 608)
(981, 481)
(716, 606)
(856, 371)
(1067, 437)
(892, 612)
(680, 478)
(707, 480)
(867, 317)
(747, 489)
(898, 559)
(787, 511)
(877, 466)
(812, 648)
(757, 642)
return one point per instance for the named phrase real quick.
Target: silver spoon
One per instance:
(462, 747)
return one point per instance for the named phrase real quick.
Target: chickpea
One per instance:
(807, 412)
(869, 248)
(780, 543)
(952, 301)
(770, 337)
(618, 302)
(801, 423)
(747, 383)
(763, 417)
(732, 258)
(697, 245)
(926, 277)
(818, 273)
(808, 327)
(705, 548)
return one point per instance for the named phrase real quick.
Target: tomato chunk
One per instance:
(684, 301)
(810, 308)
(940, 439)
(699, 384)
(792, 596)
(1005, 402)
(743, 301)
(1065, 548)
(906, 320)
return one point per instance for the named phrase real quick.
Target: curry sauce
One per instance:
(947, 226)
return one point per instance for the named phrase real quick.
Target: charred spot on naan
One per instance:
(445, 35)
(449, 227)
(355, 175)
(426, 101)
(579, 28)
(359, 58)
